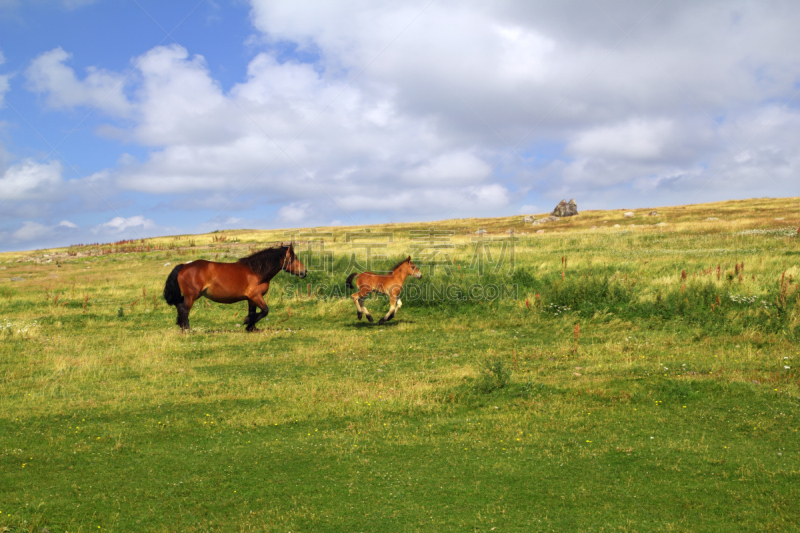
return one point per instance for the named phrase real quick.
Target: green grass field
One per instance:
(588, 378)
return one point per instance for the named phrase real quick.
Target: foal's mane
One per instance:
(398, 264)
(267, 261)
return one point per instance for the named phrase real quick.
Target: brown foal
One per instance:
(389, 284)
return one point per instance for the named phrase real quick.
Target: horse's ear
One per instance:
(408, 260)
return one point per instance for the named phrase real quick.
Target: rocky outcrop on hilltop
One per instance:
(565, 209)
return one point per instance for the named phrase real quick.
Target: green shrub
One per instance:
(495, 374)
(588, 294)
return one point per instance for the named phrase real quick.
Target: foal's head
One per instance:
(409, 268)
(292, 264)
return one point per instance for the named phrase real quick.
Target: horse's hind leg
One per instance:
(183, 312)
(183, 316)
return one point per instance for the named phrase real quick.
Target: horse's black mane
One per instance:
(398, 265)
(267, 261)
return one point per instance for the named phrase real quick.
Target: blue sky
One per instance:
(122, 119)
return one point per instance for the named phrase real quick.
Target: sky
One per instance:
(124, 119)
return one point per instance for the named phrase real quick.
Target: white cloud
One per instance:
(632, 139)
(411, 109)
(30, 180)
(456, 168)
(214, 141)
(4, 82)
(293, 213)
(48, 75)
(232, 220)
(435, 201)
(31, 231)
(120, 224)
(35, 231)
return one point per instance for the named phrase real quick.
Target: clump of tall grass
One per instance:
(588, 294)
(495, 374)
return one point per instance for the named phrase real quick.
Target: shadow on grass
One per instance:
(361, 324)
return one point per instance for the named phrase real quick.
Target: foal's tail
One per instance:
(349, 282)
(172, 291)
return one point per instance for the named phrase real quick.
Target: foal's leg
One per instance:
(355, 299)
(366, 311)
(362, 295)
(392, 309)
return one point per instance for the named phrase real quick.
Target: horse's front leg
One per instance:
(356, 300)
(251, 313)
(253, 317)
(364, 309)
(393, 306)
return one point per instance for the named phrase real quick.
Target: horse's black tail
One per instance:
(349, 282)
(172, 291)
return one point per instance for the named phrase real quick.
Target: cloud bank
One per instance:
(429, 110)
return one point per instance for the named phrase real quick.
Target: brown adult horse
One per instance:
(390, 285)
(227, 283)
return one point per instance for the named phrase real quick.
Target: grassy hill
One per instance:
(606, 373)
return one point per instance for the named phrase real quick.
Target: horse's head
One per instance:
(412, 269)
(292, 264)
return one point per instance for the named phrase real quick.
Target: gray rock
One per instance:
(528, 219)
(628, 214)
(652, 214)
(545, 220)
(566, 209)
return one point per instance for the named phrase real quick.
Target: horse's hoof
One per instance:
(381, 321)
(359, 316)
(369, 317)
